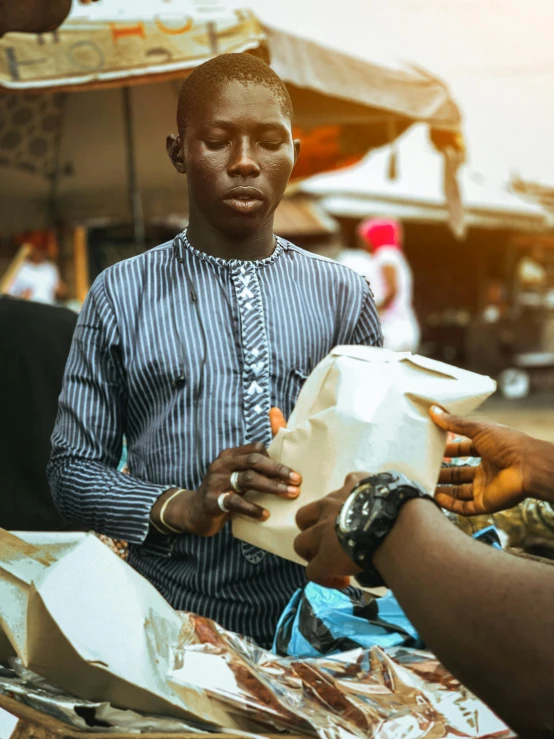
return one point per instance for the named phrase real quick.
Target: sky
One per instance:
(497, 56)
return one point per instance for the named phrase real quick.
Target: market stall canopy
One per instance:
(416, 194)
(379, 87)
(73, 157)
(117, 42)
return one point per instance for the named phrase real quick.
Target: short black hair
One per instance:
(241, 67)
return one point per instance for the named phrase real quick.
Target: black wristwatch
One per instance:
(369, 514)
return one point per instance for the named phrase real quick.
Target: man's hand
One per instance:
(329, 565)
(501, 481)
(198, 512)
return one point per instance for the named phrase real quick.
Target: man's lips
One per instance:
(244, 199)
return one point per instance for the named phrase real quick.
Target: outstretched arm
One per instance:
(487, 615)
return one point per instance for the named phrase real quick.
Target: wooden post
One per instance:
(80, 261)
(135, 198)
(52, 247)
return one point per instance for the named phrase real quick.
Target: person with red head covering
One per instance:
(391, 281)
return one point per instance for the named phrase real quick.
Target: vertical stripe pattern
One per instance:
(248, 343)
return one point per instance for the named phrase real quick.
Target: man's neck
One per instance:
(209, 240)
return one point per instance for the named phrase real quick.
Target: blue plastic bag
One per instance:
(320, 621)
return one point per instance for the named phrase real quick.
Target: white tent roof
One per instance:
(417, 193)
(497, 57)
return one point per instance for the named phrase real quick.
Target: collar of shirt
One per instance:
(181, 245)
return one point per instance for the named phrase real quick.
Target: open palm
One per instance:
(499, 482)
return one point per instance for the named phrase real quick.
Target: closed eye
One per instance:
(216, 144)
(272, 145)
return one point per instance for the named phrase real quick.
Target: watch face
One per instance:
(347, 518)
(354, 509)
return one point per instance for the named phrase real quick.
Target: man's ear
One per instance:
(174, 145)
(296, 144)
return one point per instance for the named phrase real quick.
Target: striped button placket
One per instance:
(255, 375)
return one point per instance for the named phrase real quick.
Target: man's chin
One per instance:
(243, 226)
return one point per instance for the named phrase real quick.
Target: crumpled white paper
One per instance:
(362, 409)
(76, 614)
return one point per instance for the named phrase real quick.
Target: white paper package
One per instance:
(362, 409)
(77, 615)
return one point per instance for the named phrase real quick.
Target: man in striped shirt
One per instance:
(185, 349)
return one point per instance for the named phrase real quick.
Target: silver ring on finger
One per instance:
(235, 483)
(221, 502)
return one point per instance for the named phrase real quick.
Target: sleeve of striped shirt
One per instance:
(368, 328)
(87, 438)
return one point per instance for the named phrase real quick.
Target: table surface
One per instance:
(34, 724)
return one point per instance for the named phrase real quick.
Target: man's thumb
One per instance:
(277, 420)
(448, 422)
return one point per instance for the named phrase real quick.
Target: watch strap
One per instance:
(386, 497)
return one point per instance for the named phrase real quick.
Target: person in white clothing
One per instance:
(358, 260)
(38, 279)
(391, 281)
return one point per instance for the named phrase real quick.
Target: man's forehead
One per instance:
(231, 100)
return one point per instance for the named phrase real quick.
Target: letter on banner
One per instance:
(124, 31)
(86, 55)
(165, 54)
(14, 64)
(173, 31)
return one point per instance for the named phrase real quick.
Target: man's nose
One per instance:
(243, 162)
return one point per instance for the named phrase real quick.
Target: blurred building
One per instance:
(452, 274)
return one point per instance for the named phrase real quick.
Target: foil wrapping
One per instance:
(371, 693)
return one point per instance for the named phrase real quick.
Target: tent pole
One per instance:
(80, 263)
(134, 193)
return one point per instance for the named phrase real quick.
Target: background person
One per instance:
(391, 281)
(487, 615)
(38, 279)
(34, 345)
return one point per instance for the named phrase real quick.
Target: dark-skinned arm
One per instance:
(487, 615)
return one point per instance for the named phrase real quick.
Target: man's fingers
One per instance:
(461, 449)
(308, 515)
(255, 447)
(237, 504)
(335, 583)
(306, 544)
(249, 480)
(329, 566)
(456, 492)
(461, 506)
(456, 424)
(456, 475)
(254, 456)
(263, 465)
